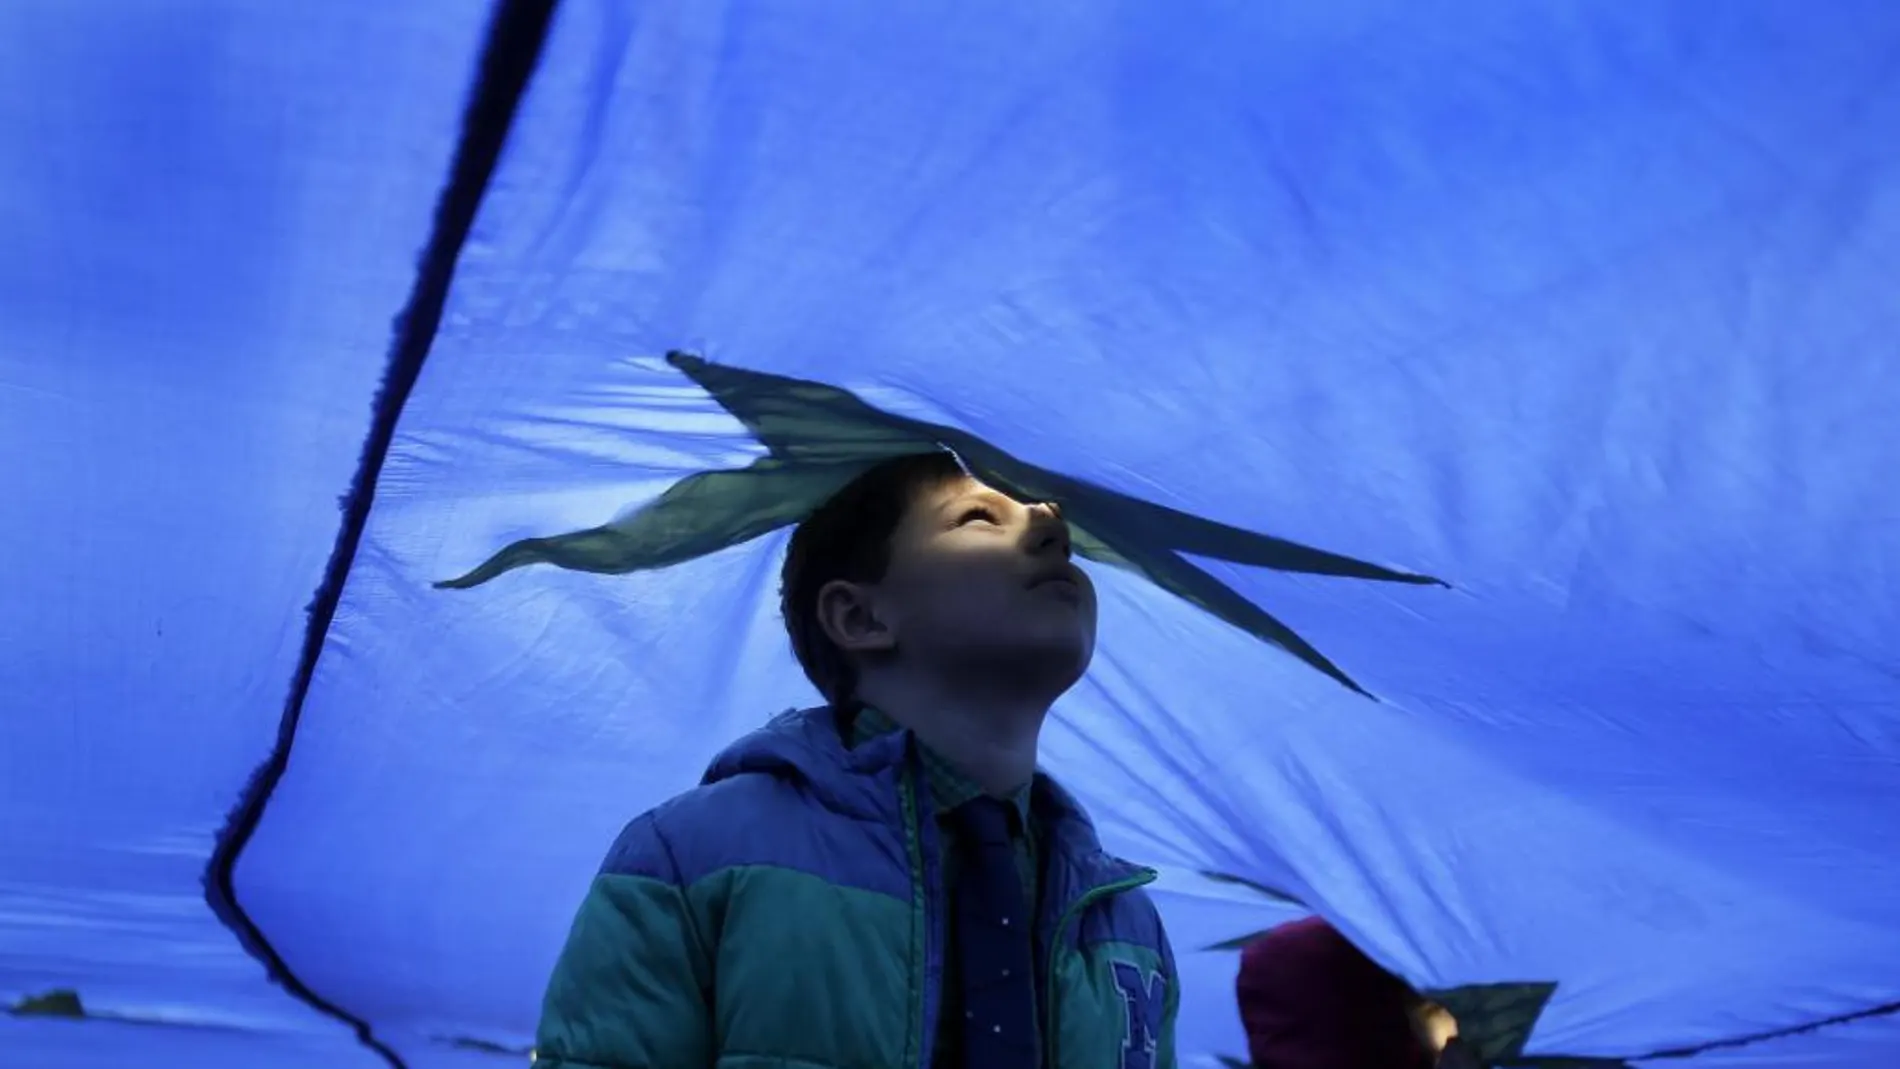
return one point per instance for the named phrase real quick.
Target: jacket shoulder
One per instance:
(759, 820)
(1130, 918)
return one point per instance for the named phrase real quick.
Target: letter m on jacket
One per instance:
(1144, 995)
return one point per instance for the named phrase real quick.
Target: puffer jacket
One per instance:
(787, 913)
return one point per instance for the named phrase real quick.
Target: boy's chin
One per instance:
(1046, 663)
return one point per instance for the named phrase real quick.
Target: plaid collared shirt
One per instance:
(949, 789)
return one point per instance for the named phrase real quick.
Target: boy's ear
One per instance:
(848, 614)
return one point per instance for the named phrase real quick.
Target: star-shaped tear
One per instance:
(819, 437)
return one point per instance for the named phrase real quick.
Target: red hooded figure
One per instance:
(1311, 1000)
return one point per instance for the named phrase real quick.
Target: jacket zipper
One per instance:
(932, 935)
(1088, 898)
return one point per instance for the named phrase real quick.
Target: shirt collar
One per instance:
(949, 788)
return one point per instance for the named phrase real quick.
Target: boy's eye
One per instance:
(975, 513)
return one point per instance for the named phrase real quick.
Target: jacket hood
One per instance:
(807, 745)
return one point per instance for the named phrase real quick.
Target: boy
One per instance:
(885, 882)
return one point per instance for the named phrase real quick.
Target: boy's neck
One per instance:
(989, 738)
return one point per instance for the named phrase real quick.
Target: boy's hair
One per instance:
(849, 537)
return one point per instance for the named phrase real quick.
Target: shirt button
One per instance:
(1005, 973)
(1005, 922)
(997, 1028)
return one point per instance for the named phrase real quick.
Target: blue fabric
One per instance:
(210, 214)
(1583, 308)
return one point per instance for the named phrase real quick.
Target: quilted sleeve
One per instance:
(632, 986)
(1165, 1057)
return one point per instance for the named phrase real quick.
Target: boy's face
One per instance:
(981, 582)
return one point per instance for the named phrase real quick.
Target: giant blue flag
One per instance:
(1479, 418)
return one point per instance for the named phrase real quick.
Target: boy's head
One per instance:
(917, 567)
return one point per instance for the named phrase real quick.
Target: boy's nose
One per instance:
(1048, 531)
